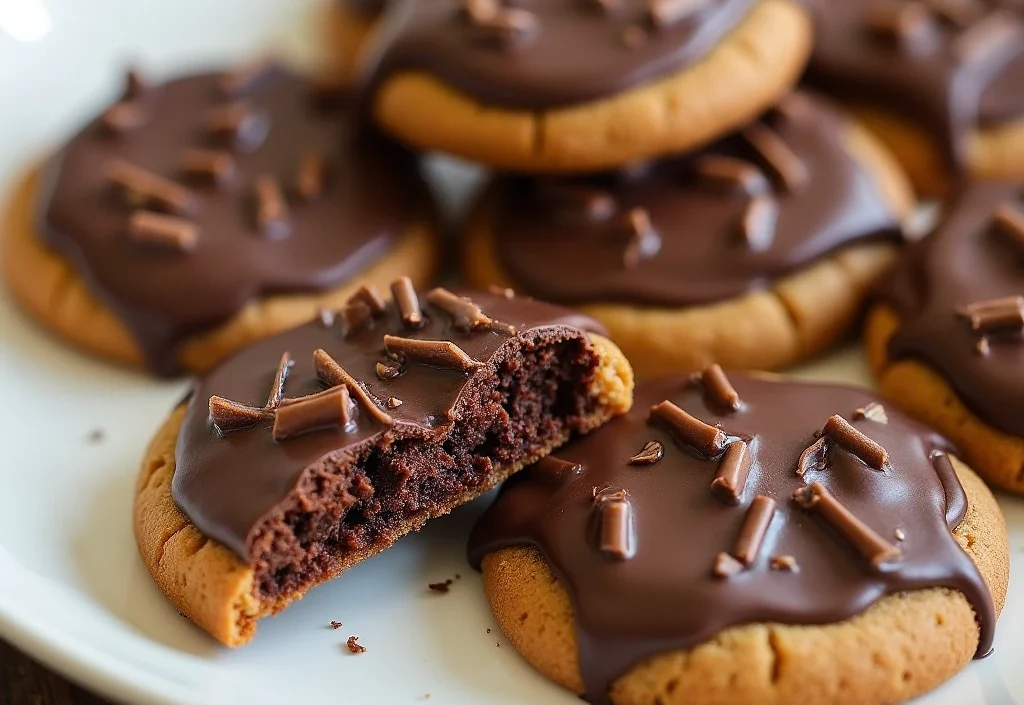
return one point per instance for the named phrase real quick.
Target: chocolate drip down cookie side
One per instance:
(946, 336)
(746, 539)
(193, 217)
(579, 85)
(315, 449)
(756, 252)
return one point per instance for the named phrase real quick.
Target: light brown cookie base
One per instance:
(903, 645)
(992, 153)
(749, 71)
(802, 315)
(919, 390)
(48, 287)
(212, 586)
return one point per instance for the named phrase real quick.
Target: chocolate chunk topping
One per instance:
(230, 416)
(615, 521)
(730, 174)
(394, 402)
(330, 372)
(387, 371)
(239, 126)
(328, 409)
(465, 314)
(408, 303)
(311, 175)
(271, 208)
(436, 353)
(718, 389)
(163, 230)
(846, 436)
(775, 155)
(996, 315)
(705, 439)
(280, 377)
(726, 566)
(651, 453)
(554, 470)
(732, 473)
(755, 525)
(370, 297)
(144, 188)
(813, 458)
(357, 315)
(210, 166)
(787, 563)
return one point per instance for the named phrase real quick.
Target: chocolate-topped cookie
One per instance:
(755, 252)
(579, 85)
(312, 450)
(747, 539)
(193, 217)
(947, 336)
(941, 82)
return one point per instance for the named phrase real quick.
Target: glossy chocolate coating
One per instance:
(227, 485)
(577, 53)
(665, 597)
(703, 258)
(966, 260)
(164, 298)
(926, 80)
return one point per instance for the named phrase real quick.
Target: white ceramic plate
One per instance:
(73, 592)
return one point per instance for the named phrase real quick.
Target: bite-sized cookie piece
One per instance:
(946, 339)
(194, 217)
(310, 451)
(580, 85)
(746, 539)
(754, 253)
(941, 82)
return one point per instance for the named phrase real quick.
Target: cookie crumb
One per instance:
(458, 577)
(96, 435)
(441, 587)
(354, 646)
(336, 625)
(488, 630)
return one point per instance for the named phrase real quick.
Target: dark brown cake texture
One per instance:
(313, 450)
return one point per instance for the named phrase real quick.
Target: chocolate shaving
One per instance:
(466, 315)
(757, 225)
(354, 646)
(1005, 315)
(846, 436)
(787, 563)
(872, 412)
(777, 158)
(280, 377)
(387, 371)
(644, 241)
(331, 373)
(230, 416)
(705, 439)
(328, 409)
(581, 203)
(144, 188)
(755, 526)
(394, 402)
(731, 478)
(729, 174)
(368, 295)
(651, 453)
(814, 457)
(615, 522)
(554, 471)
(726, 566)
(668, 13)
(443, 354)
(239, 125)
(247, 76)
(876, 550)
(271, 209)
(208, 165)
(124, 116)
(408, 303)
(357, 315)
(995, 33)
(717, 388)
(904, 23)
(163, 230)
(312, 173)
(1009, 220)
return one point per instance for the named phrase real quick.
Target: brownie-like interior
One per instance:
(532, 396)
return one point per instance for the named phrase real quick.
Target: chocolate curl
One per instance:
(244, 78)
(994, 34)
(729, 175)
(230, 416)
(1005, 315)
(707, 440)
(726, 566)
(903, 23)
(644, 241)
(1009, 220)
(876, 550)
(717, 388)
(554, 471)
(872, 412)
(370, 297)
(357, 315)
(580, 203)
(651, 453)
(731, 478)
(312, 173)
(386, 372)
(777, 158)
(615, 526)
(144, 188)
(166, 231)
(466, 315)
(757, 226)
(330, 372)
(328, 409)
(667, 13)
(209, 165)
(408, 303)
(124, 117)
(846, 436)
(239, 125)
(443, 354)
(280, 377)
(755, 526)
(814, 457)
(271, 208)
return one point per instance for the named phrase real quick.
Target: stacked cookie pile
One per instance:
(666, 199)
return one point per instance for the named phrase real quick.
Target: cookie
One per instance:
(946, 338)
(755, 253)
(313, 450)
(570, 86)
(192, 218)
(938, 82)
(772, 557)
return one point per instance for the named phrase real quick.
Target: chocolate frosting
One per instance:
(164, 296)
(666, 596)
(553, 252)
(573, 51)
(228, 484)
(965, 261)
(934, 74)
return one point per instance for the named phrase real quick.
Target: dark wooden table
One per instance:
(25, 682)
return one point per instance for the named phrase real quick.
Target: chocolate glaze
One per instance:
(926, 82)
(665, 598)
(964, 261)
(228, 484)
(703, 257)
(577, 53)
(164, 298)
